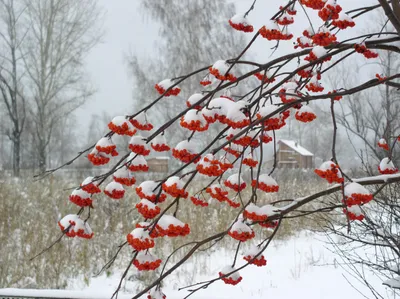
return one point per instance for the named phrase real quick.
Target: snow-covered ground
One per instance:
(301, 267)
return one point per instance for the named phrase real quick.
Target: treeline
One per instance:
(43, 44)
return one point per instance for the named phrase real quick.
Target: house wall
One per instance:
(158, 165)
(287, 154)
(310, 163)
(307, 162)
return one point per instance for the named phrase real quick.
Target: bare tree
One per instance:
(372, 245)
(11, 39)
(61, 34)
(372, 114)
(190, 39)
(367, 117)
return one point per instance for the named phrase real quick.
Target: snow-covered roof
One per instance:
(158, 158)
(296, 147)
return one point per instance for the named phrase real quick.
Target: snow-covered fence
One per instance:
(55, 294)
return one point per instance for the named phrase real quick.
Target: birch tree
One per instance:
(61, 34)
(12, 35)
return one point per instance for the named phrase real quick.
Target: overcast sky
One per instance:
(128, 30)
(125, 30)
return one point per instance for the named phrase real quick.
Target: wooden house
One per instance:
(158, 164)
(292, 155)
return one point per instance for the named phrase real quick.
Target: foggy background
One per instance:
(126, 47)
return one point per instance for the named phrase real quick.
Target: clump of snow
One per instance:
(355, 188)
(269, 210)
(141, 118)
(80, 226)
(271, 25)
(82, 194)
(136, 160)
(87, 181)
(314, 81)
(386, 164)
(382, 141)
(166, 83)
(267, 110)
(159, 139)
(268, 180)
(310, 31)
(194, 115)
(252, 251)
(114, 186)
(145, 257)
(290, 86)
(240, 227)
(229, 269)
(252, 208)
(140, 233)
(286, 16)
(345, 17)
(148, 204)
(68, 220)
(355, 209)
(180, 183)
(235, 179)
(239, 19)
(306, 108)
(319, 51)
(190, 146)
(122, 172)
(220, 106)
(233, 132)
(222, 66)
(120, 120)
(330, 2)
(194, 98)
(77, 227)
(150, 188)
(156, 294)
(166, 220)
(138, 140)
(235, 114)
(104, 142)
(328, 165)
(323, 29)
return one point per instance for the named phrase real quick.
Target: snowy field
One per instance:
(302, 267)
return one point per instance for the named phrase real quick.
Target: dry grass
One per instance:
(29, 212)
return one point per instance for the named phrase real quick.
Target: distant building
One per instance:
(292, 155)
(158, 164)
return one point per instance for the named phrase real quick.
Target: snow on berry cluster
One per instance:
(73, 226)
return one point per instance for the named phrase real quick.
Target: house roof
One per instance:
(296, 147)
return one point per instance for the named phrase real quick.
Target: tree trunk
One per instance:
(16, 154)
(42, 157)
